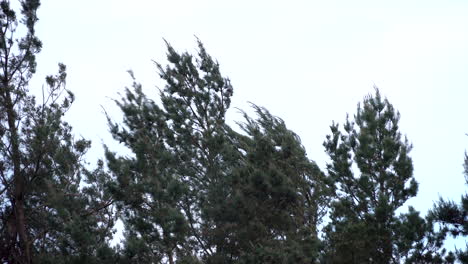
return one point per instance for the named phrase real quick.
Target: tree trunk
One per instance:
(18, 182)
(171, 258)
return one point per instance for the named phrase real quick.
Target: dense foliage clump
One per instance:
(195, 189)
(364, 227)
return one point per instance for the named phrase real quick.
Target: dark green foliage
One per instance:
(373, 177)
(148, 189)
(196, 190)
(276, 200)
(418, 241)
(46, 214)
(453, 217)
(196, 99)
(272, 201)
(179, 156)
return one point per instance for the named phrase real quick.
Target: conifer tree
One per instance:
(196, 99)
(195, 190)
(276, 198)
(454, 217)
(148, 189)
(46, 216)
(373, 175)
(178, 161)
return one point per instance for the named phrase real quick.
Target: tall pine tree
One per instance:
(194, 189)
(276, 198)
(373, 177)
(148, 189)
(179, 158)
(46, 215)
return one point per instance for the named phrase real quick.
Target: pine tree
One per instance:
(178, 158)
(195, 190)
(276, 198)
(196, 99)
(46, 215)
(148, 189)
(454, 217)
(373, 175)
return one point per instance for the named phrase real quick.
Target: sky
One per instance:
(308, 62)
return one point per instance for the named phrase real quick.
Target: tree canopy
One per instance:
(190, 188)
(52, 209)
(372, 175)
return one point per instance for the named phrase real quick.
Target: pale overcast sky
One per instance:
(308, 62)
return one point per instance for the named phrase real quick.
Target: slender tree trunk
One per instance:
(18, 181)
(171, 258)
